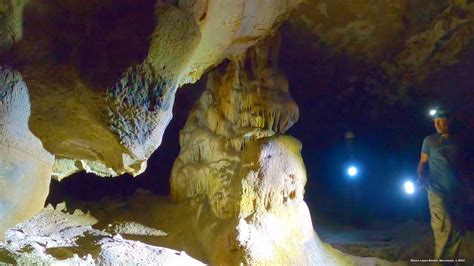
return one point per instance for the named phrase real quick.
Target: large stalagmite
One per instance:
(243, 175)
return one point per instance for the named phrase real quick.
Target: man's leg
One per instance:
(454, 212)
(447, 236)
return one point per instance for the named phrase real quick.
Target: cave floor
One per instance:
(412, 240)
(136, 219)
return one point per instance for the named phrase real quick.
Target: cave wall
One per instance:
(25, 166)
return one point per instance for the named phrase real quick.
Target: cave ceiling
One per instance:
(393, 43)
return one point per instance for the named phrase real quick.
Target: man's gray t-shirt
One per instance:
(443, 164)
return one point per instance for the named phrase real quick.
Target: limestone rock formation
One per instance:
(25, 166)
(239, 107)
(236, 167)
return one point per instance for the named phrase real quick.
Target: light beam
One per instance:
(409, 187)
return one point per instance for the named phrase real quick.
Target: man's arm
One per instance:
(422, 168)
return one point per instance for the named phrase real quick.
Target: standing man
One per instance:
(439, 165)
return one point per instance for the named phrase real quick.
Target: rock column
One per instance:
(244, 177)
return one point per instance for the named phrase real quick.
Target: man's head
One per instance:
(441, 121)
(442, 125)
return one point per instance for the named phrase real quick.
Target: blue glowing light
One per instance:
(433, 112)
(409, 187)
(352, 171)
